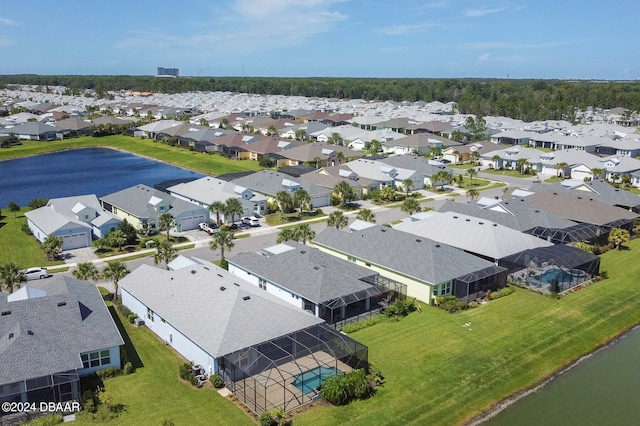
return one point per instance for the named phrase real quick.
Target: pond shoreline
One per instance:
(517, 396)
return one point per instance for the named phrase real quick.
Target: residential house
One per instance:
(74, 126)
(205, 191)
(617, 166)
(142, 206)
(380, 174)
(622, 147)
(52, 332)
(227, 326)
(151, 130)
(481, 237)
(320, 154)
(462, 153)
(327, 286)
(269, 183)
(513, 137)
(428, 268)
(74, 219)
(421, 143)
(425, 168)
(35, 131)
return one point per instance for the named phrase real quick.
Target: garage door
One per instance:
(191, 222)
(73, 241)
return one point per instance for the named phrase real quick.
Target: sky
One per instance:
(561, 39)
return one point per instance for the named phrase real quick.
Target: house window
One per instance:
(150, 314)
(445, 289)
(96, 359)
(262, 283)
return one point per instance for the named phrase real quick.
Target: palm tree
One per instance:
(117, 238)
(496, 159)
(560, 168)
(302, 200)
(456, 155)
(284, 201)
(472, 193)
(10, 275)
(222, 240)
(434, 152)
(166, 221)
(317, 161)
(338, 220)
(286, 234)
(366, 215)
(597, 173)
(410, 206)
(339, 157)
(459, 180)
(388, 193)
(472, 173)
(335, 138)
(304, 233)
(407, 184)
(374, 147)
(345, 192)
(617, 236)
(474, 156)
(217, 208)
(233, 207)
(86, 271)
(165, 252)
(115, 271)
(522, 165)
(52, 247)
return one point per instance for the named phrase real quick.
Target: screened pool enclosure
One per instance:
(286, 371)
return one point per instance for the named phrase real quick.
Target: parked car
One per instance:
(251, 221)
(209, 227)
(36, 273)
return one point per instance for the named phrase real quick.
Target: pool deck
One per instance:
(274, 387)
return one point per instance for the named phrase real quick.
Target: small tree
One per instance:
(52, 247)
(86, 271)
(302, 200)
(14, 208)
(472, 173)
(166, 221)
(472, 193)
(10, 275)
(217, 208)
(233, 207)
(165, 252)
(345, 192)
(36, 203)
(222, 240)
(284, 201)
(617, 236)
(410, 206)
(286, 234)
(304, 233)
(115, 271)
(338, 220)
(407, 185)
(366, 215)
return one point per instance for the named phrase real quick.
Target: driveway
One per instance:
(84, 254)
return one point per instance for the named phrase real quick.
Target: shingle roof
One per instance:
(471, 234)
(72, 318)
(270, 183)
(306, 271)
(135, 201)
(414, 162)
(209, 308)
(420, 258)
(308, 152)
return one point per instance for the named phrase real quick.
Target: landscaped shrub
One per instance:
(216, 381)
(353, 327)
(451, 304)
(502, 292)
(149, 242)
(472, 305)
(124, 310)
(604, 274)
(25, 228)
(343, 388)
(54, 419)
(109, 372)
(185, 371)
(132, 317)
(375, 375)
(129, 368)
(266, 419)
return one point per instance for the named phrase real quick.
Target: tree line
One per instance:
(521, 99)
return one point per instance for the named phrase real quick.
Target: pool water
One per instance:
(550, 274)
(311, 379)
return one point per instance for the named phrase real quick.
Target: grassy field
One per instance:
(440, 372)
(512, 173)
(154, 393)
(18, 247)
(199, 162)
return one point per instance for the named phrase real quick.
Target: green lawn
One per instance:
(554, 179)
(199, 162)
(512, 173)
(461, 166)
(154, 393)
(440, 372)
(16, 246)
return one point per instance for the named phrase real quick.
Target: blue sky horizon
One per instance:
(324, 38)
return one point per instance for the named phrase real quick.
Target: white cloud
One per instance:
(8, 22)
(406, 29)
(474, 13)
(249, 25)
(5, 42)
(484, 57)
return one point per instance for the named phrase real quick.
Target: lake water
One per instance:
(97, 171)
(602, 390)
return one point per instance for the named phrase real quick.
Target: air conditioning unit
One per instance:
(138, 322)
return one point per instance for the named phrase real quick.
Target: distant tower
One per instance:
(168, 72)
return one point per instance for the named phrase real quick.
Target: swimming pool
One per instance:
(557, 274)
(311, 379)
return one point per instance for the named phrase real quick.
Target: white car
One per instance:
(251, 221)
(36, 273)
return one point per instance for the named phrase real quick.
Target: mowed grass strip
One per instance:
(16, 246)
(154, 393)
(210, 164)
(440, 372)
